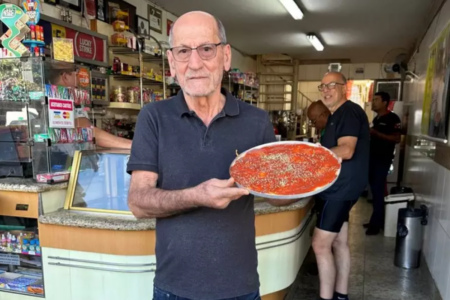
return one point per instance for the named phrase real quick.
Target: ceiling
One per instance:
(358, 30)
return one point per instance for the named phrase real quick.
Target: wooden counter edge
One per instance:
(117, 242)
(279, 295)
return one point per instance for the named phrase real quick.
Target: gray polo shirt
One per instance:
(204, 253)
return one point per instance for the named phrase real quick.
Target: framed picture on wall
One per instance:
(125, 6)
(143, 26)
(72, 4)
(100, 10)
(169, 26)
(155, 18)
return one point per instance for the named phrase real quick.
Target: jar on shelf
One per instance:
(119, 94)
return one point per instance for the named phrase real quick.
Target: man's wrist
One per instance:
(190, 195)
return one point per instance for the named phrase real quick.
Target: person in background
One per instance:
(318, 114)
(384, 134)
(347, 135)
(68, 78)
(180, 159)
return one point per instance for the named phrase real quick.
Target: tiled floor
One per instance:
(373, 274)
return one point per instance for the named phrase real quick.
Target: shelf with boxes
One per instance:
(20, 260)
(244, 86)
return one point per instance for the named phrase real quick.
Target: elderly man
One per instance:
(180, 159)
(347, 135)
(318, 114)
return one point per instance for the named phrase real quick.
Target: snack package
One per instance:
(90, 134)
(64, 138)
(57, 134)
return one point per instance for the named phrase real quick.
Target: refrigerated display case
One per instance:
(32, 143)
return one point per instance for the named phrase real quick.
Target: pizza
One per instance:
(286, 169)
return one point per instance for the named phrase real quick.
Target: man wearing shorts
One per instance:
(347, 135)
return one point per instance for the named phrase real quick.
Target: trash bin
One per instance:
(408, 244)
(392, 204)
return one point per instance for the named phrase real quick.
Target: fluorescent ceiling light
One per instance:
(293, 9)
(314, 40)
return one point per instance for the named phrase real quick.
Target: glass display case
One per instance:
(39, 102)
(99, 182)
(20, 258)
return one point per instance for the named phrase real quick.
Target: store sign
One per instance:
(61, 113)
(85, 45)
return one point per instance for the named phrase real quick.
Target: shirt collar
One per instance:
(231, 107)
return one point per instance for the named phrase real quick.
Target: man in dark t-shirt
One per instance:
(180, 159)
(384, 134)
(347, 135)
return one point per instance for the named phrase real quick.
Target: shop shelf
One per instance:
(123, 50)
(19, 253)
(125, 105)
(145, 81)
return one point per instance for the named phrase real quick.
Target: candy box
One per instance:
(53, 177)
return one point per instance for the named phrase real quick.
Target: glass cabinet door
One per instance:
(99, 182)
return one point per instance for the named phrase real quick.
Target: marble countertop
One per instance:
(28, 185)
(130, 223)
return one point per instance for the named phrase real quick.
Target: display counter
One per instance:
(21, 203)
(92, 247)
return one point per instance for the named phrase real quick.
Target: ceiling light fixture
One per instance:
(293, 9)
(314, 40)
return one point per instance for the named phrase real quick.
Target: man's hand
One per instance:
(216, 193)
(373, 132)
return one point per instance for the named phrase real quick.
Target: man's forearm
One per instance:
(151, 202)
(344, 152)
(107, 140)
(389, 137)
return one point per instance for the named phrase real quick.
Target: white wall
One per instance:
(316, 72)
(429, 179)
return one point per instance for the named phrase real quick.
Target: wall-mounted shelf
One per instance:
(125, 105)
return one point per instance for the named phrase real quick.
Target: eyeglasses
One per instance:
(329, 86)
(206, 52)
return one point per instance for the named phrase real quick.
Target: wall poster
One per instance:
(155, 18)
(435, 111)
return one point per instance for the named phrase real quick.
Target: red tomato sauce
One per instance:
(285, 169)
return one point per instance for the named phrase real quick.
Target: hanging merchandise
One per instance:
(89, 9)
(33, 9)
(15, 19)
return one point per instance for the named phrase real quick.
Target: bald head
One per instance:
(334, 90)
(335, 76)
(318, 113)
(199, 54)
(192, 16)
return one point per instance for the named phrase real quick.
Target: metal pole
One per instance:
(141, 66)
(164, 72)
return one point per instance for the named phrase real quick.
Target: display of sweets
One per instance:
(20, 284)
(20, 242)
(80, 97)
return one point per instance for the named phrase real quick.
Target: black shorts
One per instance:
(331, 215)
